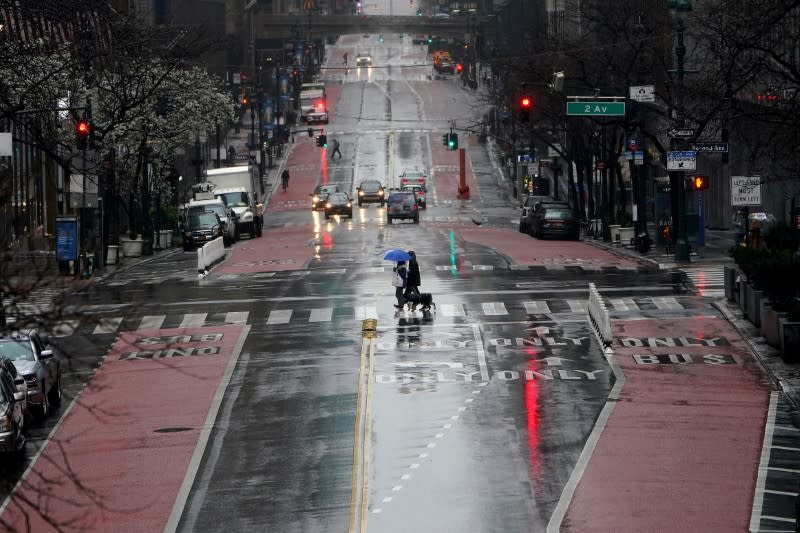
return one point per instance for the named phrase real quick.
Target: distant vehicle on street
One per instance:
(238, 187)
(19, 381)
(338, 203)
(320, 195)
(12, 415)
(555, 221)
(419, 193)
(363, 59)
(371, 191)
(35, 360)
(414, 177)
(201, 228)
(529, 207)
(402, 205)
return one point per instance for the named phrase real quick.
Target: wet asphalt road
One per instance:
(470, 417)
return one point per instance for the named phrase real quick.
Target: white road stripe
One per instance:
(151, 322)
(666, 302)
(193, 320)
(279, 316)
(494, 308)
(624, 304)
(577, 306)
(452, 310)
(65, 328)
(533, 307)
(321, 315)
(365, 311)
(107, 325)
(236, 317)
(761, 480)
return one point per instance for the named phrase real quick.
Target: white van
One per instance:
(313, 107)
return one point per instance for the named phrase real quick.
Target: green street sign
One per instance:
(602, 109)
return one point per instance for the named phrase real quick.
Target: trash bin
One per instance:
(112, 256)
(643, 243)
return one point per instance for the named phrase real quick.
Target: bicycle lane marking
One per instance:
(691, 416)
(120, 455)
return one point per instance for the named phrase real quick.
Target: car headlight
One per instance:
(380, 192)
(361, 193)
(315, 199)
(5, 423)
(247, 216)
(349, 204)
(187, 234)
(328, 205)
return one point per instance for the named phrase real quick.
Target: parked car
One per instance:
(19, 382)
(371, 191)
(526, 214)
(541, 205)
(227, 215)
(363, 59)
(35, 360)
(338, 203)
(12, 415)
(320, 195)
(200, 229)
(555, 221)
(402, 205)
(419, 192)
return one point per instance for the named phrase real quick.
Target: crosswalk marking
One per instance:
(107, 325)
(623, 304)
(536, 307)
(577, 306)
(151, 322)
(666, 302)
(709, 280)
(65, 328)
(494, 308)
(279, 316)
(365, 311)
(453, 310)
(193, 320)
(236, 317)
(321, 315)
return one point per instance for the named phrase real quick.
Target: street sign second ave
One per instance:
(603, 109)
(709, 147)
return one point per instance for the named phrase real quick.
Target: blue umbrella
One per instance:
(396, 254)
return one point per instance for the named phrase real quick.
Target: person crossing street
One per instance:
(336, 149)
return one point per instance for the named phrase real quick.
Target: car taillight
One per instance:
(414, 207)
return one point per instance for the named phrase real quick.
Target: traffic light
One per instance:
(525, 106)
(459, 68)
(322, 140)
(430, 39)
(452, 141)
(380, 38)
(445, 139)
(244, 98)
(82, 131)
(698, 182)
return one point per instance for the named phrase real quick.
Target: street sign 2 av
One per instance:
(710, 147)
(681, 160)
(599, 109)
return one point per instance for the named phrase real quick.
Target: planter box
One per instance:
(614, 229)
(754, 305)
(131, 248)
(626, 236)
(165, 238)
(790, 340)
(729, 278)
(770, 326)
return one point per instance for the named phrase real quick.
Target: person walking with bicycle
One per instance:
(285, 179)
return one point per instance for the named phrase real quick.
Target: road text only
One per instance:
(501, 375)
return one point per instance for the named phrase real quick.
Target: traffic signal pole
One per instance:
(463, 189)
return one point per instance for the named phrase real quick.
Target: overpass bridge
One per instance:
(323, 26)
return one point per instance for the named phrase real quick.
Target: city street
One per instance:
(256, 398)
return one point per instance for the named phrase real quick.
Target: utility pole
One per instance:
(677, 177)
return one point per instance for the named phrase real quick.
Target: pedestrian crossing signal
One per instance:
(698, 182)
(322, 140)
(82, 131)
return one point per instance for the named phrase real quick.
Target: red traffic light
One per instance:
(459, 67)
(699, 182)
(82, 128)
(525, 102)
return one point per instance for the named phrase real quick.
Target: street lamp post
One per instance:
(679, 7)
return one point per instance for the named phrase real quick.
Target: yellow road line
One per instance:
(367, 435)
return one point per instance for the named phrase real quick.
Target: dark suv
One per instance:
(402, 206)
(200, 229)
(370, 191)
(320, 196)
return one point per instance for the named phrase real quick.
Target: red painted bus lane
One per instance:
(117, 460)
(680, 450)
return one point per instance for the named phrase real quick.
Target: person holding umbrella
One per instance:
(399, 273)
(412, 281)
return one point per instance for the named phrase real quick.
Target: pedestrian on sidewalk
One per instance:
(739, 227)
(336, 149)
(399, 279)
(285, 179)
(413, 281)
